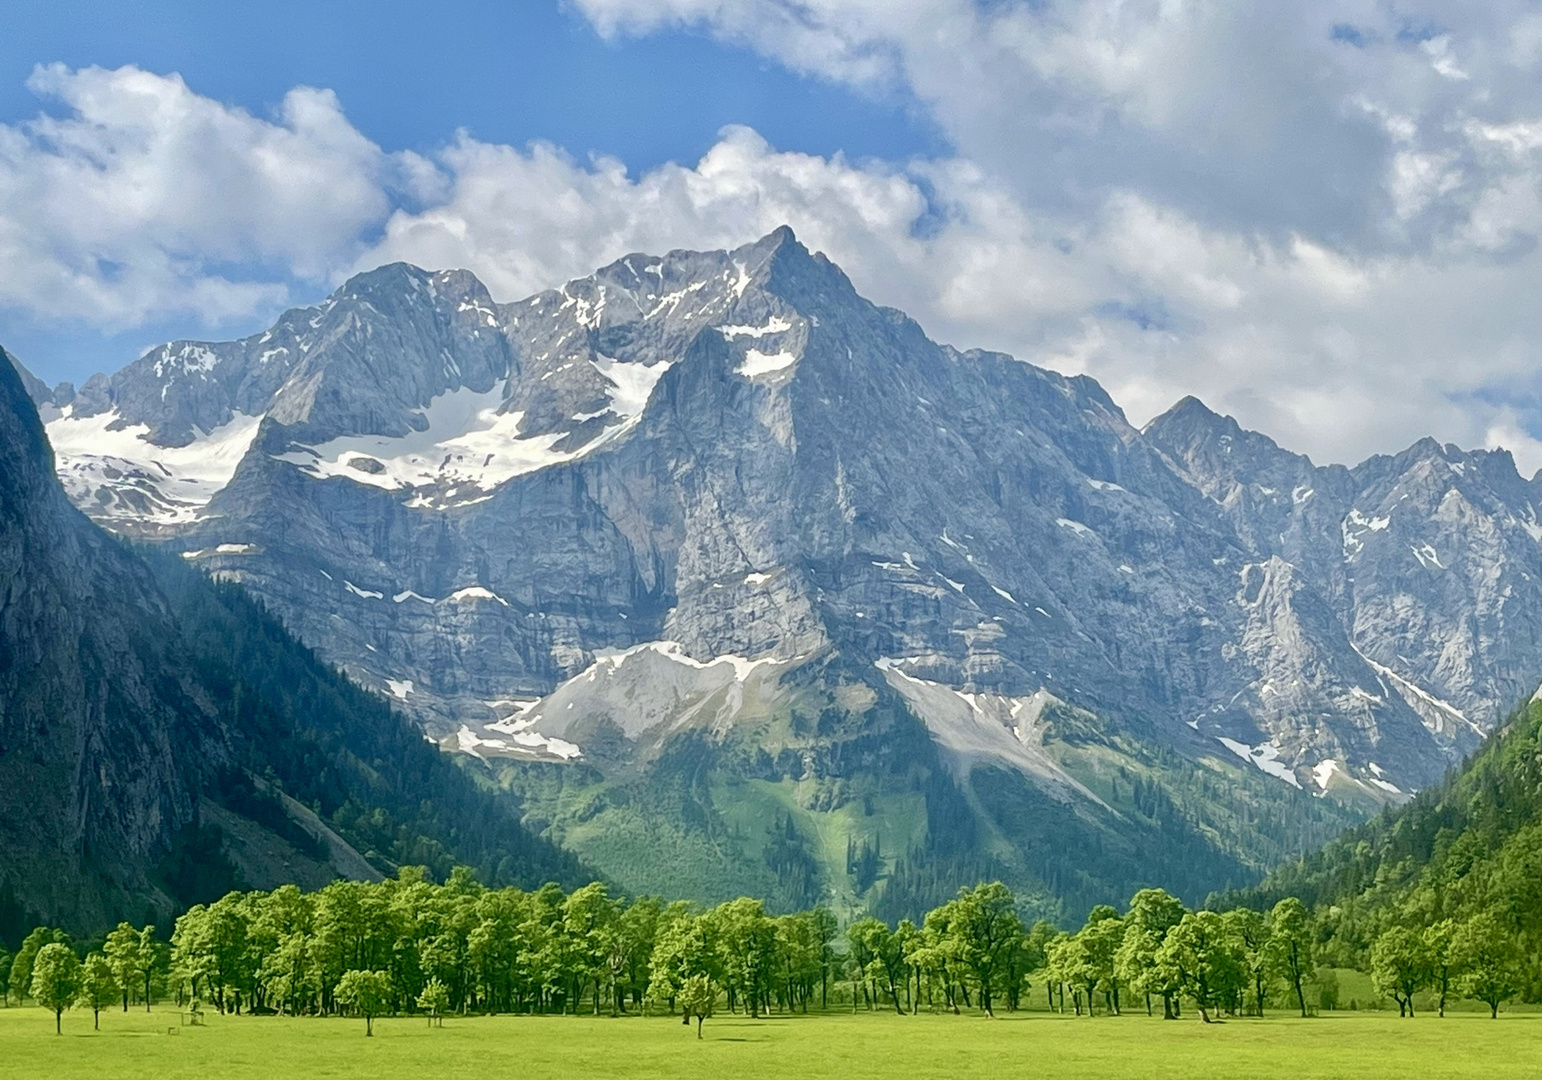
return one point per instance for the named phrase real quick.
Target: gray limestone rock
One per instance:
(464, 504)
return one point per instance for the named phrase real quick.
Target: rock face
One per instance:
(103, 731)
(732, 457)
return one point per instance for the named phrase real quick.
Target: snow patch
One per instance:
(474, 592)
(1424, 696)
(469, 446)
(777, 325)
(632, 384)
(673, 650)
(177, 481)
(1322, 772)
(1427, 556)
(1265, 756)
(757, 363)
(363, 594)
(1354, 527)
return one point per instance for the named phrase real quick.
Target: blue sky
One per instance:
(409, 74)
(1324, 218)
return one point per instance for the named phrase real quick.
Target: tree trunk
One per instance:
(58, 1021)
(699, 1019)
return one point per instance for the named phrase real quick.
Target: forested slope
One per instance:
(308, 731)
(1471, 844)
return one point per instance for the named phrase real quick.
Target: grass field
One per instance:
(1345, 1045)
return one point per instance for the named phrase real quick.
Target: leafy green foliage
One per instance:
(697, 997)
(1485, 954)
(1458, 855)
(434, 1000)
(1400, 966)
(26, 956)
(98, 987)
(56, 979)
(365, 993)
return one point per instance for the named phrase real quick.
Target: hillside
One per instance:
(1471, 843)
(162, 739)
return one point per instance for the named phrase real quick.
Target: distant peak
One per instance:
(780, 235)
(777, 244)
(394, 275)
(35, 387)
(1190, 412)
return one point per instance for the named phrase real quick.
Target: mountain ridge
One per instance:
(730, 456)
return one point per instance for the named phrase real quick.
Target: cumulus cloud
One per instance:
(1322, 218)
(143, 198)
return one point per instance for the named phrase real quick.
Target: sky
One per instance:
(1320, 217)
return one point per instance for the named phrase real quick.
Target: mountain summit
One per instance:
(718, 508)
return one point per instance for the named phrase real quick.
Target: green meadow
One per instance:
(137, 1046)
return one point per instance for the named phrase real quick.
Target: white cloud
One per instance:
(1321, 216)
(1335, 242)
(525, 220)
(144, 198)
(1337, 354)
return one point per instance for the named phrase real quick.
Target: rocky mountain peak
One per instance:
(733, 453)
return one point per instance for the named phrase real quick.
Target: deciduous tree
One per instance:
(21, 964)
(98, 987)
(697, 998)
(1400, 966)
(124, 950)
(1290, 936)
(1437, 948)
(434, 1000)
(367, 993)
(56, 980)
(1485, 954)
(1198, 957)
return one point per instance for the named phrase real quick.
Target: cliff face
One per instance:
(103, 732)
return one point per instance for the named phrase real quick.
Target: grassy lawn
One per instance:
(837, 1045)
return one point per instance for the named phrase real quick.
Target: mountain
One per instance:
(744, 583)
(162, 739)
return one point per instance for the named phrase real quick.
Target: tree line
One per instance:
(410, 945)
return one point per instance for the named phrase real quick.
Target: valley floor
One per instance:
(1342, 1045)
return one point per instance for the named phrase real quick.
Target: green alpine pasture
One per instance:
(137, 1046)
